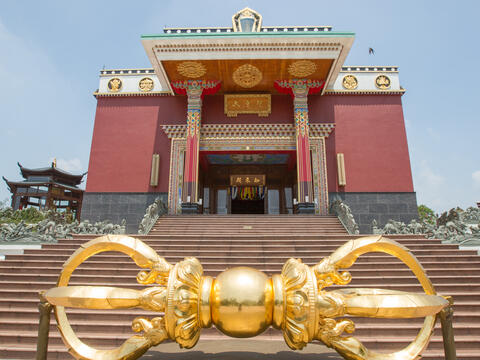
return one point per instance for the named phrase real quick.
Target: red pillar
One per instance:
(195, 90)
(300, 89)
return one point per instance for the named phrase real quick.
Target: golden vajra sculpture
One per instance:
(244, 302)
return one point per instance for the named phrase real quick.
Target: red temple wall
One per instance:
(369, 130)
(125, 135)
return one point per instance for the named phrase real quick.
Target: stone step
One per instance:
(275, 266)
(131, 270)
(227, 252)
(288, 235)
(466, 255)
(269, 242)
(241, 246)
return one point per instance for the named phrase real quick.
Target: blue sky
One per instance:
(51, 53)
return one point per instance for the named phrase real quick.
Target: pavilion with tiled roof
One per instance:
(47, 188)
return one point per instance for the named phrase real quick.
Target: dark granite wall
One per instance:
(99, 206)
(400, 206)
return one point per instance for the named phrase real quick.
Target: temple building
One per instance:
(250, 119)
(47, 188)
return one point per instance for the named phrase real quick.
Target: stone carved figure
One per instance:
(345, 216)
(54, 227)
(153, 212)
(455, 226)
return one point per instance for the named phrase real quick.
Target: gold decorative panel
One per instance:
(270, 69)
(302, 68)
(114, 85)
(247, 104)
(191, 69)
(350, 82)
(382, 82)
(247, 76)
(146, 84)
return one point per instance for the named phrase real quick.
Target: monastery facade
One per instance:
(250, 119)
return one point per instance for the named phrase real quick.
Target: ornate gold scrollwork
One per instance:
(382, 82)
(350, 82)
(191, 69)
(247, 76)
(243, 302)
(302, 68)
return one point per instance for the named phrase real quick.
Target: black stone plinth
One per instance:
(305, 208)
(190, 208)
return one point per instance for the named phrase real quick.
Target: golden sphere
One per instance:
(242, 302)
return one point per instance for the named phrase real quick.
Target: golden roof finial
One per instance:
(247, 20)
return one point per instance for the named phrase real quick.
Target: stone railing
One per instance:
(456, 226)
(153, 212)
(49, 230)
(345, 216)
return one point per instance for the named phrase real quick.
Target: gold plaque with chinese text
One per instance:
(247, 180)
(247, 104)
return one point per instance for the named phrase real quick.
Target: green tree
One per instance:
(426, 214)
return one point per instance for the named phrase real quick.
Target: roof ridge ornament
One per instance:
(247, 20)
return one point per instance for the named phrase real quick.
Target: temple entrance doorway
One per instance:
(247, 182)
(214, 195)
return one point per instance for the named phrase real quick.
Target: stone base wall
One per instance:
(100, 206)
(381, 206)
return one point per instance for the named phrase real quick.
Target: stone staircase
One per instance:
(220, 242)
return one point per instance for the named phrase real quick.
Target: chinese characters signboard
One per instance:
(247, 180)
(247, 104)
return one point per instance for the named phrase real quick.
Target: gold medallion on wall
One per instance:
(302, 68)
(114, 85)
(247, 76)
(146, 84)
(191, 69)
(350, 82)
(382, 82)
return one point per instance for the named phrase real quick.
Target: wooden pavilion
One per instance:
(47, 188)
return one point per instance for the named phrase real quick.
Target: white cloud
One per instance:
(476, 177)
(430, 178)
(430, 186)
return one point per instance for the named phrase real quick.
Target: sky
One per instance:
(51, 53)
